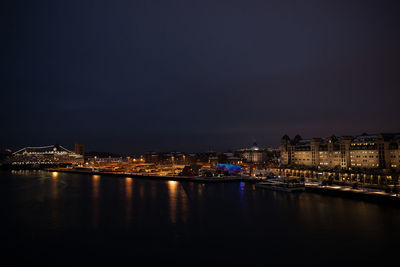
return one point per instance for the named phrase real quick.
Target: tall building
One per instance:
(79, 148)
(366, 151)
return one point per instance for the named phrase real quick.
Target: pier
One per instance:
(367, 194)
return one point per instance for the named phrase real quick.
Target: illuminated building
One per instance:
(167, 158)
(79, 148)
(152, 157)
(253, 154)
(380, 151)
(230, 168)
(228, 158)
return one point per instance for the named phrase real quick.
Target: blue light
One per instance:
(231, 168)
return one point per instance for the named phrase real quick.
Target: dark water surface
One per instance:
(52, 219)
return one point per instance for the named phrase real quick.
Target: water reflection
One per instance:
(153, 194)
(173, 199)
(95, 196)
(54, 185)
(187, 216)
(141, 191)
(128, 198)
(153, 189)
(241, 190)
(200, 190)
(177, 199)
(184, 205)
(55, 211)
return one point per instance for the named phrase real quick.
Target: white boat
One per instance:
(282, 184)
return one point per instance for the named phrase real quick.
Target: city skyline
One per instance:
(229, 149)
(192, 76)
(200, 132)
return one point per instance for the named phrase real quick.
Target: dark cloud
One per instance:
(196, 75)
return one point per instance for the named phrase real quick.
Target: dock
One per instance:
(367, 194)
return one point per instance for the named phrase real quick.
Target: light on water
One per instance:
(100, 218)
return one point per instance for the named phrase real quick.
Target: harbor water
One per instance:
(65, 219)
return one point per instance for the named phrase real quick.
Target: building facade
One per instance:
(252, 155)
(366, 151)
(79, 148)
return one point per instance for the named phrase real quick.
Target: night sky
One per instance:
(134, 76)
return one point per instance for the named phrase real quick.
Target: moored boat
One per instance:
(283, 184)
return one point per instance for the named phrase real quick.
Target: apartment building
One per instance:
(366, 151)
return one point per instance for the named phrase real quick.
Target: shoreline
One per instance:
(338, 191)
(341, 191)
(164, 178)
(356, 194)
